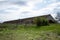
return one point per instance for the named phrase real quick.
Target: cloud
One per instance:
(2, 0)
(43, 4)
(12, 11)
(50, 9)
(18, 9)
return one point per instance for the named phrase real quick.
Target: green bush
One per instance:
(41, 22)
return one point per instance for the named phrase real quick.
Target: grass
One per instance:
(19, 32)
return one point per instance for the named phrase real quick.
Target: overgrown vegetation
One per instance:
(41, 21)
(20, 32)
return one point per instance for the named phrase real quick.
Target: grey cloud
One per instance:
(25, 12)
(57, 9)
(3, 2)
(18, 2)
(3, 12)
(58, 0)
(12, 8)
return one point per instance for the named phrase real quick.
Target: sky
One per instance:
(19, 9)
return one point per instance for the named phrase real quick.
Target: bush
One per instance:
(41, 21)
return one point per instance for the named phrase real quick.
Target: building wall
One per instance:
(29, 20)
(21, 21)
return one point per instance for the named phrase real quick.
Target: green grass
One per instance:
(19, 32)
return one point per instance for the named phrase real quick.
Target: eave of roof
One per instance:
(29, 17)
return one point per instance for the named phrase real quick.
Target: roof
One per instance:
(30, 17)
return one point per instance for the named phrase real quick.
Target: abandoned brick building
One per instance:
(30, 20)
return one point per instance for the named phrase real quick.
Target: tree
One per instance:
(41, 21)
(58, 16)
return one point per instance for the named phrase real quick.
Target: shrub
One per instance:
(41, 21)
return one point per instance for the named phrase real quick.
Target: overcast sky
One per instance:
(18, 9)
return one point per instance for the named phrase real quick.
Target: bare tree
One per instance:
(58, 16)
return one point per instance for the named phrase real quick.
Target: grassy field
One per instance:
(21, 32)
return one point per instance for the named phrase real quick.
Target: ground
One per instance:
(19, 32)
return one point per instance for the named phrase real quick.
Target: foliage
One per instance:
(41, 21)
(51, 32)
